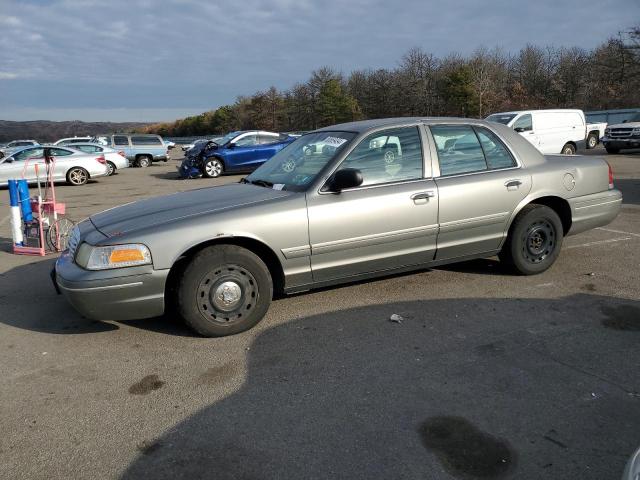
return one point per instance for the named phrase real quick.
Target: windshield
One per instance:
(297, 165)
(503, 118)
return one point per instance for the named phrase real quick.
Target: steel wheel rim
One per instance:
(539, 241)
(389, 156)
(592, 142)
(213, 168)
(289, 166)
(144, 162)
(78, 177)
(227, 294)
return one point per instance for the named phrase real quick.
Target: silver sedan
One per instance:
(72, 166)
(454, 189)
(115, 160)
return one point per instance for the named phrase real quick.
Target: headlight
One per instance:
(112, 256)
(635, 131)
(607, 131)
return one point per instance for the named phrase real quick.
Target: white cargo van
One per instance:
(550, 131)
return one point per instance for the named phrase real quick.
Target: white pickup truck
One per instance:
(623, 135)
(595, 132)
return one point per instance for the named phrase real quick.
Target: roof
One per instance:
(366, 125)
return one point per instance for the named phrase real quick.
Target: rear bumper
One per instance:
(122, 294)
(596, 210)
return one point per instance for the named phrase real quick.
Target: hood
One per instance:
(625, 125)
(198, 148)
(156, 211)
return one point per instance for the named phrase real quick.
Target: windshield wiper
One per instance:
(261, 183)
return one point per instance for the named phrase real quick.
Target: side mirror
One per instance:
(519, 129)
(625, 121)
(231, 145)
(346, 178)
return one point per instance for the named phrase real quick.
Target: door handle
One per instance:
(512, 184)
(423, 197)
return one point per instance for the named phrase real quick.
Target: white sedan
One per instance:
(116, 160)
(73, 166)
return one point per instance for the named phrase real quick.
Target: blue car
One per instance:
(236, 152)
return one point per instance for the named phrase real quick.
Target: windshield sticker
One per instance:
(334, 141)
(278, 186)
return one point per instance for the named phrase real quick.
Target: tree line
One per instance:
(422, 84)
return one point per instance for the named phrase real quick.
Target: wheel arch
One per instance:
(263, 251)
(557, 204)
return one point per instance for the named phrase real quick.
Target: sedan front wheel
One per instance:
(224, 290)
(213, 168)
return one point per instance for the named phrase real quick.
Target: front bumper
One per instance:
(630, 142)
(119, 294)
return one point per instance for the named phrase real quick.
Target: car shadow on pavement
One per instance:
(480, 266)
(630, 188)
(28, 300)
(457, 388)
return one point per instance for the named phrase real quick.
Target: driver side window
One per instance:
(30, 153)
(524, 123)
(247, 141)
(389, 156)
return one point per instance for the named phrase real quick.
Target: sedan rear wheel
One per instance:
(111, 168)
(534, 240)
(77, 176)
(224, 290)
(213, 168)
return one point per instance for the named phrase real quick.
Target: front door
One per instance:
(390, 221)
(240, 156)
(480, 185)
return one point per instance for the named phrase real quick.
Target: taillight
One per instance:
(101, 159)
(122, 154)
(610, 177)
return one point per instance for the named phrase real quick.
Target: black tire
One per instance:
(212, 167)
(214, 273)
(111, 168)
(144, 161)
(568, 149)
(592, 141)
(612, 150)
(77, 176)
(534, 240)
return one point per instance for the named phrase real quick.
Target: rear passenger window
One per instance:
(60, 152)
(121, 140)
(267, 139)
(496, 154)
(140, 140)
(459, 150)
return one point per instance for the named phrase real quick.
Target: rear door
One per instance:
(390, 221)
(480, 183)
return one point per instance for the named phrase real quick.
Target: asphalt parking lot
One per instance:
(488, 375)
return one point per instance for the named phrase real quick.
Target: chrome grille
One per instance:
(620, 132)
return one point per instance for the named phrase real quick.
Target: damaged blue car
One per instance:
(237, 152)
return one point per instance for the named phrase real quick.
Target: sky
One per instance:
(146, 60)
